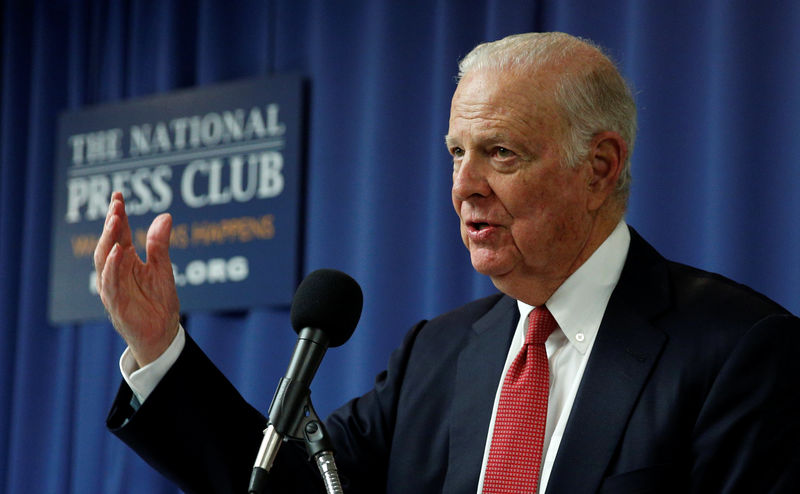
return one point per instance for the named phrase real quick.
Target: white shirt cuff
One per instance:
(143, 381)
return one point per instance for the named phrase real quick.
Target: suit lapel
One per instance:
(625, 351)
(479, 367)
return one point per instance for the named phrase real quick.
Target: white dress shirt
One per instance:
(143, 381)
(577, 306)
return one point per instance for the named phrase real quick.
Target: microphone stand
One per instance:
(309, 429)
(319, 447)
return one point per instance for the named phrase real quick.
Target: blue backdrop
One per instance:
(718, 89)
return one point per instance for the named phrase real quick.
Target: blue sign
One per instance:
(224, 160)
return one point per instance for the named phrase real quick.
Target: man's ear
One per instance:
(607, 155)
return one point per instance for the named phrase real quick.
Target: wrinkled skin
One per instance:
(527, 220)
(140, 297)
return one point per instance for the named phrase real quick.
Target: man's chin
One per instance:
(491, 267)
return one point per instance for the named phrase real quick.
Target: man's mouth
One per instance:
(478, 226)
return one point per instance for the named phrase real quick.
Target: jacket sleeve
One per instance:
(202, 445)
(210, 445)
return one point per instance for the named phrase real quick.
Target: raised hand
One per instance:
(140, 297)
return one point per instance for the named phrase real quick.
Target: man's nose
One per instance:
(470, 178)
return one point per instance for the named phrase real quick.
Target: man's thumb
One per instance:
(157, 247)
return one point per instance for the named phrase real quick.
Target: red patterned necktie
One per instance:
(515, 455)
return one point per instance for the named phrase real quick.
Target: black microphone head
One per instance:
(329, 300)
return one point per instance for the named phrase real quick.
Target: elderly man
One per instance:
(601, 367)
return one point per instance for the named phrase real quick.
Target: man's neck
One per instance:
(537, 291)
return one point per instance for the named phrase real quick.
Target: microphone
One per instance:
(325, 311)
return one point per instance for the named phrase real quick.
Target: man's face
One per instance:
(524, 216)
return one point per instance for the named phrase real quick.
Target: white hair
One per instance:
(593, 97)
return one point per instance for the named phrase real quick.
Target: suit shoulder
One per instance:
(717, 297)
(692, 294)
(695, 283)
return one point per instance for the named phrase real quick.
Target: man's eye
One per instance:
(457, 152)
(503, 153)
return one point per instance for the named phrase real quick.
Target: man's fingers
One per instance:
(118, 209)
(117, 276)
(118, 273)
(115, 229)
(106, 242)
(108, 276)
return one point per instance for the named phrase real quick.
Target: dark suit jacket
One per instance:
(691, 387)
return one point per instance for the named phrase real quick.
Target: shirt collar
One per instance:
(579, 303)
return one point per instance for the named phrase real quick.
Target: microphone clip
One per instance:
(307, 428)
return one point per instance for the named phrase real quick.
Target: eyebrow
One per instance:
(496, 138)
(492, 139)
